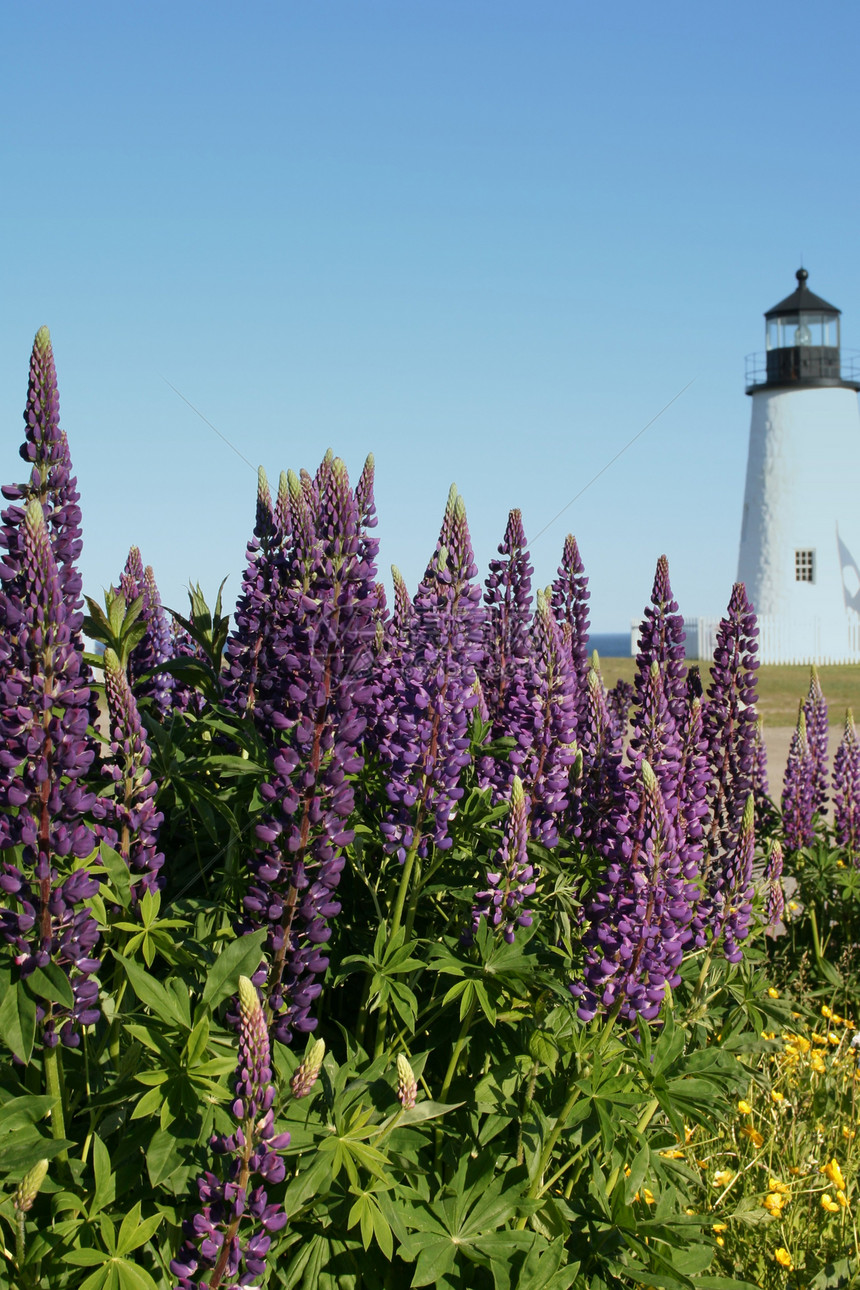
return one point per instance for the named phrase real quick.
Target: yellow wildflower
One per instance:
(783, 1258)
(744, 1107)
(816, 1061)
(721, 1240)
(648, 1196)
(828, 1203)
(834, 1173)
(847, 1133)
(774, 994)
(794, 1170)
(825, 1011)
(721, 1227)
(775, 1185)
(820, 1039)
(832, 1039)
(753, 1134)
(773, 1203)
(674, 1154)
(768, 1034)
(723, 1177)
(776, 1096)
(689, 1211)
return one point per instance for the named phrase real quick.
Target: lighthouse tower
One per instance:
(800, 533)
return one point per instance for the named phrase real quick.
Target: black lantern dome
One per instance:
(803, 346)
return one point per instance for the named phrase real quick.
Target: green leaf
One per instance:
(105, 1181)
(133, 1277)
(151, 992)
(51, 983)
(164, 1156)
(134, 1231)
(18, 1021)
(241, 958)
(85, 1257)
(118, 872)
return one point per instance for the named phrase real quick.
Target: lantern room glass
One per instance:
(788, 331)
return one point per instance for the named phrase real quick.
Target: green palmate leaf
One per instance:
(242, 957)
(134, 1277)
(85, 1257)
(135, 1231)
(18, 1020)
(151, 992)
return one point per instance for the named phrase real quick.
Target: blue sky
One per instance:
(487, 240)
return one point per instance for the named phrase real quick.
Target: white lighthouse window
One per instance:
(804, 566)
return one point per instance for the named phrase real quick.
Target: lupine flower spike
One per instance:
(407, 1085)
(846, 790)
(797, 800)
(227, 1241)
(46, 751)
(815, 711)
(322, 637)
(513, 880)
(156, 645)
(128, 808)
(774, 894)
(307, 1072)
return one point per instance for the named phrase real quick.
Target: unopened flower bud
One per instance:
(305, 1075)
(28, 1187)
(407, 1087)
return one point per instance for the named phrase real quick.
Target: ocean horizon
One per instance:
(610, 644)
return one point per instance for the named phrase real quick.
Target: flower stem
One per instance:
(53, 1085)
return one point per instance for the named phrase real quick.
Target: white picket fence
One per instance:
(780, 640)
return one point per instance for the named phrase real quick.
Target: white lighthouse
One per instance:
(800, 533)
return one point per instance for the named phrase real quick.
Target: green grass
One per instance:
(781, 687)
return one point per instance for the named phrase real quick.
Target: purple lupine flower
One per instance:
(156, 645)
(797, 803)
(601, 760)
(729, 723)
(508, 613)
(551, 696)
(639, 919)
(512, 880)
(322, 642)
(694, 776)
(570, 597)
(429, 694)
(249, 666)
(817, 731)
(655, 734)
(732, 893)
(51, 481)
(846, 790)
(661, 641)
(775, 896)
(45, 753)
(227, 1242)
(619, 701)
(128, 807)
(182, 644)
(506, 665)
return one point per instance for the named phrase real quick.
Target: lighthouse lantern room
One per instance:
(800, 531)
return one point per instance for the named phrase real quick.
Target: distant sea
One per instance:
(610, 644)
